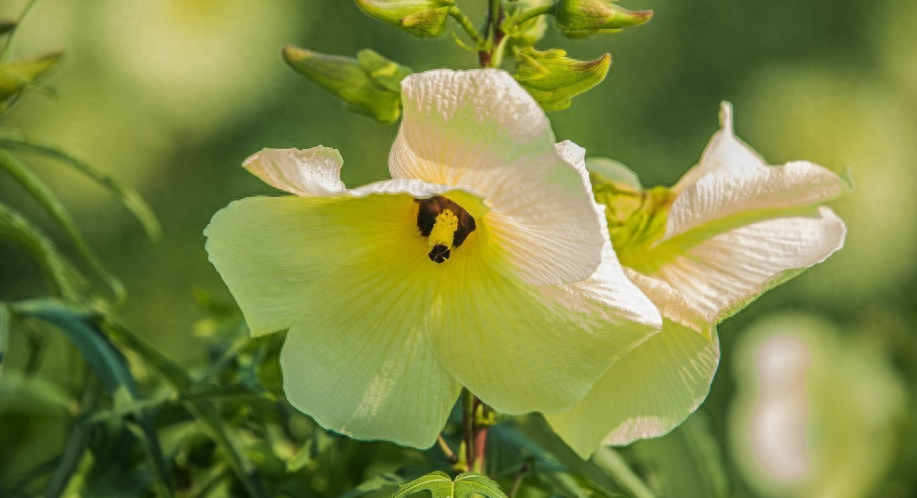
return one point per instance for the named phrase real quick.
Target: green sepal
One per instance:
(530, 31)
(421, 18)
(582, 18)
(18, 74)
(636, 217)
(368, 84)
(554, 79)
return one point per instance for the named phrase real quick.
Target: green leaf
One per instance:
(439, 485)
(17, 229)
(202, 410)
(16, 75)
(34, 395)
(52, 204)
(368, 84)
(4, 332)
(83, 331)
(129, 198)
(687, 462)
(381, 481)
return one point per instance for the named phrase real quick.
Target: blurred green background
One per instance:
(171, 95)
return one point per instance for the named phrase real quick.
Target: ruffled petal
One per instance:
(723, 273)
(480, 130)
(671, 303)
(523, 348)
(309, 172)
(647, 393)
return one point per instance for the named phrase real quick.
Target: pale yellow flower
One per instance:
(483, 263)
(731, 228)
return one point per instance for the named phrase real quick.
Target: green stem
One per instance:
(612, 462)
(466, 25)
(530, 14)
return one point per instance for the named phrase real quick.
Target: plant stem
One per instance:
(466, 25)
(447, 451)
(517, 482)
(75, 447)
(491, 56)
(533, 13)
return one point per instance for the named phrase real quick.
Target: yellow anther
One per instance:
(443, 229)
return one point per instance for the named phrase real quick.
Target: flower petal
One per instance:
(722, 274)
(523, 348)
(733, 182)
(315, 171)
(671, 303)
(647, 393)
(480, 130)
(358, 360)
(350, 277)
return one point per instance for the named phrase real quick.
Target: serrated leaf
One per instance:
(16, 75)
(440, 485)
(84, 332)
(18, 229)
(52, 204)
(127, 196)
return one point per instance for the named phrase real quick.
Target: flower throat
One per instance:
(445, 224)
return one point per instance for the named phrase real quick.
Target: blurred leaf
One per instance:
(4, 332)
(685, 463)
(368, 84)
(202, 410)
(108, 363)
(49, 200)
(34, 395)
(439, 485)
(6, 25)
(127, 196)
(16, 228)
(381, 481)
(16, 75)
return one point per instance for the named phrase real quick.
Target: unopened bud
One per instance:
(553, 78)
(582, 18)
(423, 18)
(16, 75)
(368, 84)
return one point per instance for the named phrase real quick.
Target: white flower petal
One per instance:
(315, 171)
(731, 180)
(724, 152)
(480, 130)
(722, 274)
(671, 303)
(647, 393)
(523, 348)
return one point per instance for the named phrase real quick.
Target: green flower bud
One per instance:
(368, 84)
(532, 30)
(582, 18)
(423, 18)
(553, 78)
(16, 75)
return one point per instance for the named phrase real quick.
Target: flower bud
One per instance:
(553, 78)
(368, 84)
(423, 18)
(582, 18)
(530, 31)
(16, 75)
